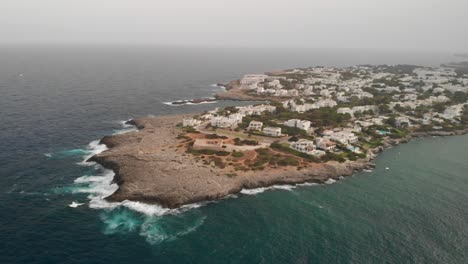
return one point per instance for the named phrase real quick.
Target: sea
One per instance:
(56, 102)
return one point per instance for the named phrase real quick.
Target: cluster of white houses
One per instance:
(231, 120)
(325, 87)
(304, 107)
(319, 87)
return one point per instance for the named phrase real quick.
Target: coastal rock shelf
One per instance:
(151, 166)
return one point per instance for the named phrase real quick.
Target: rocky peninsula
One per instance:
(151, 165)
(320, 124)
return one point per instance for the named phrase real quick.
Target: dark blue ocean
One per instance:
(54, 101)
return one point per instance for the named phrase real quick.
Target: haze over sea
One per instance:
(56, 100)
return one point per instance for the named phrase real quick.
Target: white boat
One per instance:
(387, 168)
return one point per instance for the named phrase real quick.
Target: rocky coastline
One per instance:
(151, 166)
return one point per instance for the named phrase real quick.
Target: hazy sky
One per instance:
(379, 24)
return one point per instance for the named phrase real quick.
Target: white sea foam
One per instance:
(308, 184)
(124, 123)
(99, 187)
(218, 86)
(274, 187)
(75, 204)
(156, 230)
(253, 191)
(93, 148)
(125, 130)
(330, 181)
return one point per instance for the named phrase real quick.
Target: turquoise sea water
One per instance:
(56, 101)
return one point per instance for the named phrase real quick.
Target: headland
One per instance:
(320, 124)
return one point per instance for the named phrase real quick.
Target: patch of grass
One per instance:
(231, 175)
(238, 154)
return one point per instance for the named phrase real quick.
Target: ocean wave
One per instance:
(219, 86)
(101, 186)
(157, 229)
(124, 123)
(120, 222)
(126, 128)
(93, 148)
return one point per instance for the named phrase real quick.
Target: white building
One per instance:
(326, 103)
(272, 131)
(251, 81)
(237, 116)
(326, 144)
(303, 145)
(344, 137)
(190, 122)
(401, 120)
(301, 124)
(223, 122)
(255, 125)
(256, 110)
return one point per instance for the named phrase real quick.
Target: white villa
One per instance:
(272, 131)
(344, 137)
(255, 125)
(301, 124)
(326, 144)
(303, 145)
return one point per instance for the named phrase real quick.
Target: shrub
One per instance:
(215, 136)
(288, 161)
(238, 154)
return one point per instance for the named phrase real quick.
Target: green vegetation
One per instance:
(189, 129)
(237, 154)
(267, 156)
(248, 142)
(215, 136)
(198, 152)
